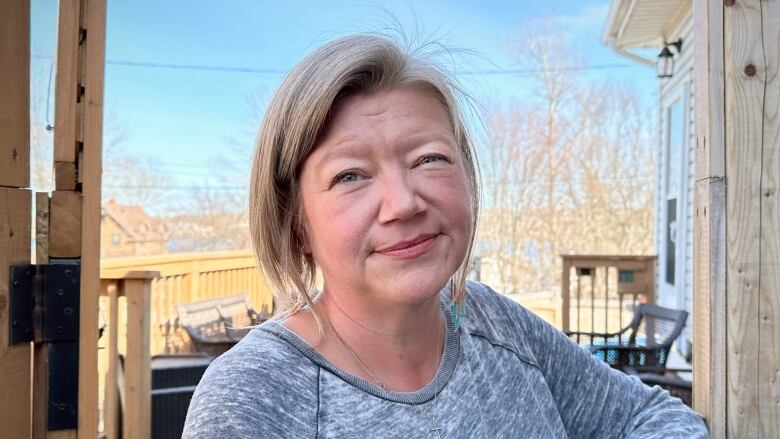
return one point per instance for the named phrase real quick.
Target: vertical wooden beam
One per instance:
(15, 94)
(15, 375)
(769, 284)
(565, 294)
(709, 295)
(66, 84)
(744, 95)
(40, 351)
(138, 404)
(65, 229)
(89, 174)
(15, 205)
(111, 403)
(75, 210)
(737, 280)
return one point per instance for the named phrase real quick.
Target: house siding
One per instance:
(683, 78)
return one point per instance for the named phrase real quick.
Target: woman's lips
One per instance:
(410, 249)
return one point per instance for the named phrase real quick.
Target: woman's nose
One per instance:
(400, 199)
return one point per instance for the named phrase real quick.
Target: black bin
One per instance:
(174, 378)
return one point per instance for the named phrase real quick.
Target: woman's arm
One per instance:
(595, 400)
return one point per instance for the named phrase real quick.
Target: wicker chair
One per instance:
(643, 345)
(216, 325)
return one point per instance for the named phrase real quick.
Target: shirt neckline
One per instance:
(426, 393)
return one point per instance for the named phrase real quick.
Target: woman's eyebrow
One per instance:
(341, 148)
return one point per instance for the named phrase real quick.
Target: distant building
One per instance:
(130, 231)
(212, 232)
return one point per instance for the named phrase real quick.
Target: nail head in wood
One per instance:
(729, 2)
(750, 70)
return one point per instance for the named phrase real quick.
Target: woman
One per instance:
(364, 171)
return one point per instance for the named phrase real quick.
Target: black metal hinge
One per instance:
(44, 307)
(44, 303)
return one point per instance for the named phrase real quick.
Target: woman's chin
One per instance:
(413, 289)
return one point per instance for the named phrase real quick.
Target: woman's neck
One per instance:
(401, 346)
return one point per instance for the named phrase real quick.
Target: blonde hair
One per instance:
(293, 123)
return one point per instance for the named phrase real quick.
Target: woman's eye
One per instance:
(431, 159)
(346, 177)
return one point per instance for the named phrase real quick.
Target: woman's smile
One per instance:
(410, 249)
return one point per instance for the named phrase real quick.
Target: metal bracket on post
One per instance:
(44, 308)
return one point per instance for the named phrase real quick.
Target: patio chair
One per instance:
(643, 345)
(216, 325)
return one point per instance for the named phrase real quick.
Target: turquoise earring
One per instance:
(455, 315)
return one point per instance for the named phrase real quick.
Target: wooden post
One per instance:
(75, 203)
(737, 217)
(15, 94)
(15, 376)
(15, 205)
(111, 402)
(565, 293)
(769, 285)
(138, 380)
(709, 242)
(41, 350)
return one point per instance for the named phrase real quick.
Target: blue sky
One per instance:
(184, 118)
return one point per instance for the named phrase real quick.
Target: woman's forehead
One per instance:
(384, 113)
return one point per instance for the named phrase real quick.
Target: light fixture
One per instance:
(664, 67)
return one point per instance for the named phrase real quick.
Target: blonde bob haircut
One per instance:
(294, 121)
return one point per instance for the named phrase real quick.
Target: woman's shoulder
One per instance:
(486, 305)
(501, 320)
(254, 387)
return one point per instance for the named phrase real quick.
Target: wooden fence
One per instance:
(190, 277)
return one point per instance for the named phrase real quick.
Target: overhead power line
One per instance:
(270, 71)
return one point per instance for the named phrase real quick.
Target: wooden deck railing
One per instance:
(126, 388)
(138, 304)
(599, 293)
(189, 277)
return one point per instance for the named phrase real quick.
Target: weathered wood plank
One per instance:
(64, 176)
(42, 227)
(40, 351)
(565, 294)
(15, 93)
(111, 403)
(89, 174)
(744, 93)
(66, 82)
(709, 384)
(137, 416)
(15, 374)
(65, 224)
(769, 285)
(709, 282)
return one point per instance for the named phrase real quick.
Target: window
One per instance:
(675, 142)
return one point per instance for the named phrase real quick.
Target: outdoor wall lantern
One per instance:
(664, 67)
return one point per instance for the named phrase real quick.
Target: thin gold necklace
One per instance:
(362, 365)
(355, 357)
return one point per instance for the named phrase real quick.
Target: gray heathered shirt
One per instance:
(505, 373)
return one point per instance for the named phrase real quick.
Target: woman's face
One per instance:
(386, 198)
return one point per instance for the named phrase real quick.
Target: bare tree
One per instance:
(568, 170)
(217, 218)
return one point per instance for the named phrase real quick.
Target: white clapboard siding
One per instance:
(683, 77)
